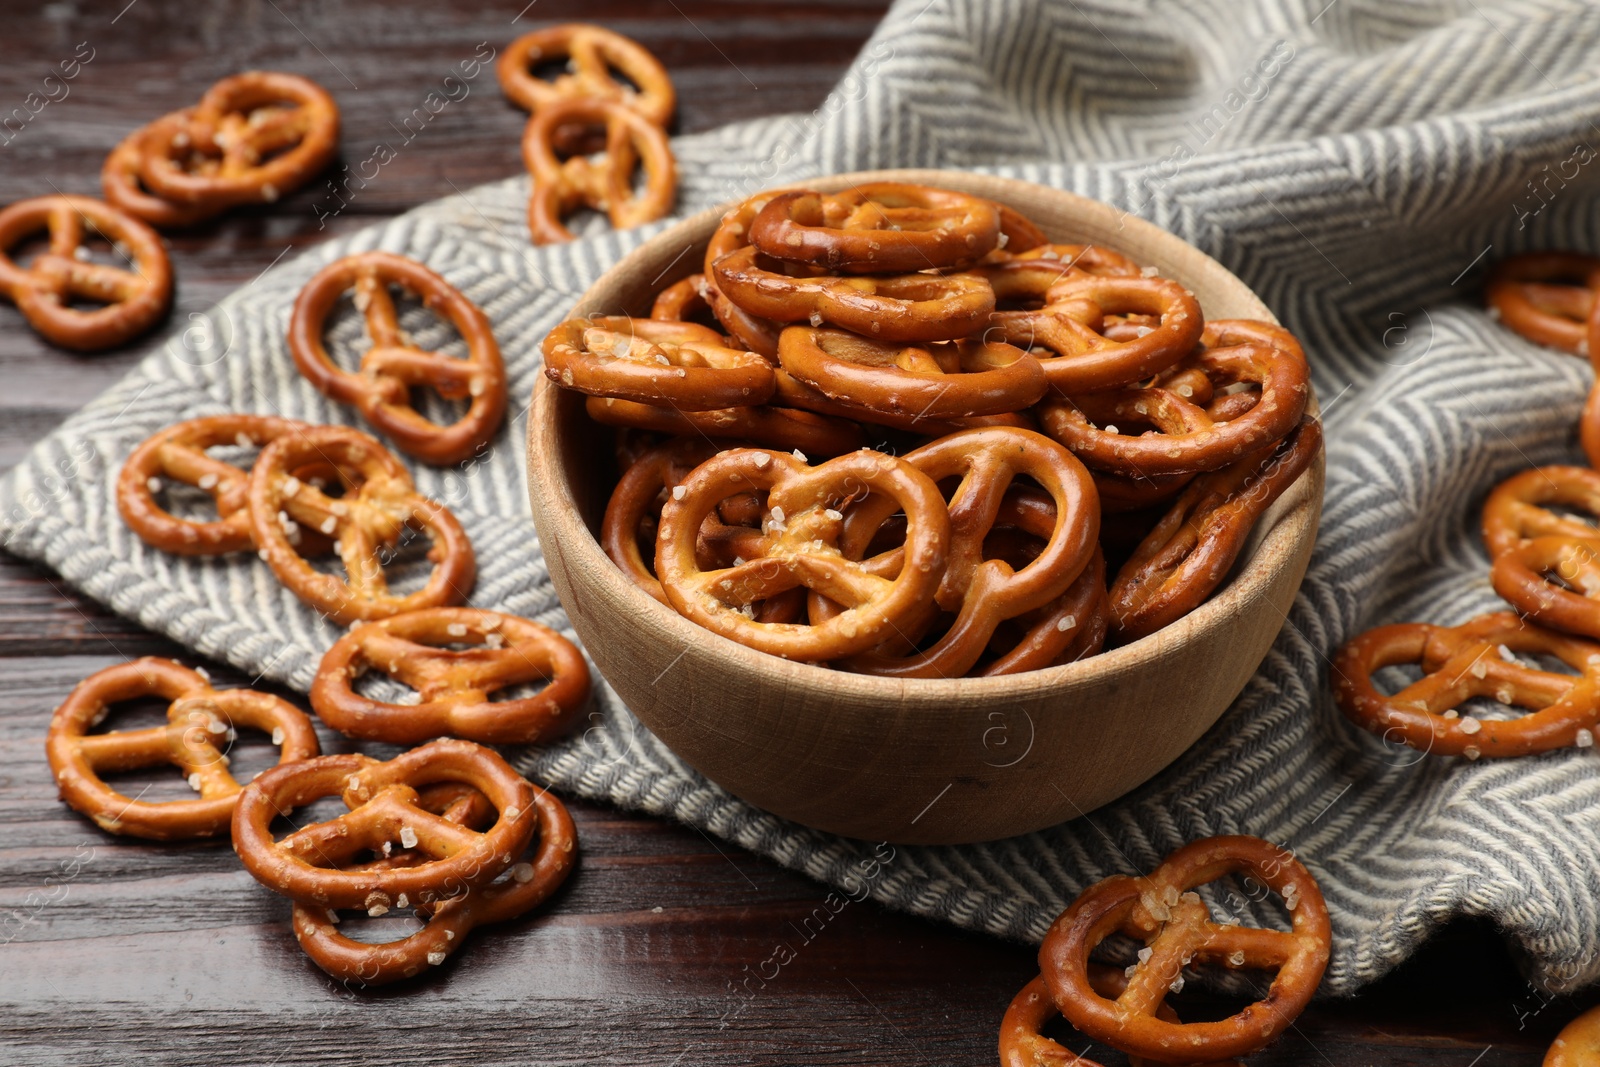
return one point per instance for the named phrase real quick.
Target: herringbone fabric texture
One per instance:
(1356, 162)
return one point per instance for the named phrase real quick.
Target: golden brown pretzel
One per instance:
(178, 454)
(199, 718)
(379, 503)
(1553, 580)
(1023, 1044)
(525, 886)
(1162, 911)
(1191, 549)
(1547, 297)
(798, 546)
(636, 495)
(561, 186)
(651, 361)
(44, 291)
(890, 307)
(1182, 422)
(794, 393)
(1071, 324)
(308, 865)
(1022, 280)
(940, 379)
(1463, 662)
(252, 138)
(983, 591)
(1516, 510)
(124, 189)
(733, 233)
(878, 228)
(592, 53)
(685, 301)
(453, 686)
(771, 427)
(394, 365)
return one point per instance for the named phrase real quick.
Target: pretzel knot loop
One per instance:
(124, 189)
(1519, 509)
(200, 725)
(799, 546)
(1185, 421)
(453, 685)
(653, 361)
(593, 53)
(878, 228)
(1547, 297)
(1072, 325)
(134, 298)
(251, 139)
(605, 183)
(178, 454)
(378, 506)
(950, 379)
(524, 886)
(311, 865)
(891, 307)
(1463, 662)
(394, 365)
(1177, 928)
(983, 591)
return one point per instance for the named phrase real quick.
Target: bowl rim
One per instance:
(1276, 533)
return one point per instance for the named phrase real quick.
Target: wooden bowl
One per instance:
(916, 761)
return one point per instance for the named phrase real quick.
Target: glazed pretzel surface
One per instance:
(771, 427)
(252, 138)
(525, 886)
(1553, 580)
(940, 380)
(1183, 422)
(605, 184)
(134, 299)
(798, 546)
(1162, 911)
(453, 686)
(733, 233)
(1518, 509)
(685, 301)
(984, 591)
(1071, 324)
(1463, 662)
(309, 865)
(651, 361)
(1547, 297)
(878, 228)
(1190, 551)
(592, 52)
(1022, 1041)
(394, 365)
(200, 726)
(178, 454)
(637, 495)
(124, 189)
(794, 393)
(367, 522)
(889, 307)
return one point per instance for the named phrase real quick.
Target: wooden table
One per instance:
(113, 951)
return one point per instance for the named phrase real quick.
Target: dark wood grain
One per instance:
(114, 951)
